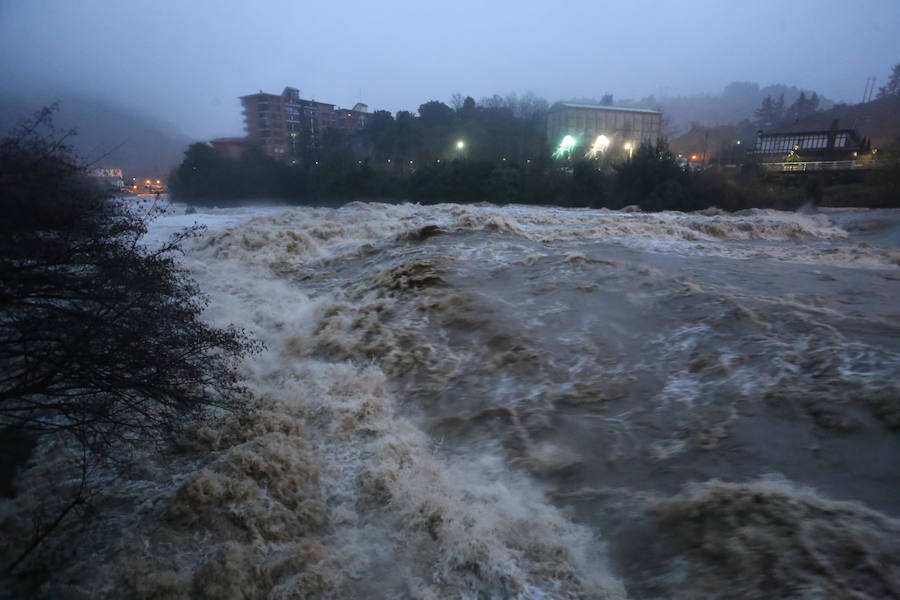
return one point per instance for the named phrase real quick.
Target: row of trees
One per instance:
(772, 111)
(492, 150)
(653, 179)
(381, 160)
(511, 128)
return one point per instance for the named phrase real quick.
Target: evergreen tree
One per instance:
(893, 85)
(767, 113)
(804, 106)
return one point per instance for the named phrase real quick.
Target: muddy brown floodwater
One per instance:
(525, 402)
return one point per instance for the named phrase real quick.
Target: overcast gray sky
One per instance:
(187, 62)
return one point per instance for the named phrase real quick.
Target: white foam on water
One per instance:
(328, 488)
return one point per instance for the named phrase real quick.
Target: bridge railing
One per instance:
(819, 165)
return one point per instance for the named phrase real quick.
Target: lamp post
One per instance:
(630, 149)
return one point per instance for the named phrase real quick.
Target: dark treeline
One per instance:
(495, 151)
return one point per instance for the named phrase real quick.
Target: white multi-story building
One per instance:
(616, 128)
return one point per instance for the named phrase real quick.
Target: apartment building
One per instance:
(290, 128)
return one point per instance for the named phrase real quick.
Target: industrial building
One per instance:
(591, 129)
(290, 128)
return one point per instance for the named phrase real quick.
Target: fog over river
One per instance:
(528, 402)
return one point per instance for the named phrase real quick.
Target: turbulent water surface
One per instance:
(483, 402)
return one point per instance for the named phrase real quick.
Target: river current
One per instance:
(530, 402)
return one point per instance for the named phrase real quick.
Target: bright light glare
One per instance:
(600, 146)
(565, 146)
(628, 145)
(460, 145)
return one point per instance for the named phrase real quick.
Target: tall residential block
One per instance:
(290, 128)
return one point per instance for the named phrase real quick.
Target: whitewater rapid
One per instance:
(532, 402)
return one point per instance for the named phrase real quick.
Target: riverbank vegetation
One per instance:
(102, 347)
(498, 152)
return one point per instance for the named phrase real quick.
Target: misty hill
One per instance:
(109, 135)
(878, 120)
(736, 103)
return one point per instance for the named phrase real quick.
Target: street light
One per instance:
(599, 147)
(629, 147)
(565, 148)
(460, 145)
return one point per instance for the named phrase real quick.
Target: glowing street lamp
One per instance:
(460, 149)
(600, 146)
(565, 147)
(630, 148)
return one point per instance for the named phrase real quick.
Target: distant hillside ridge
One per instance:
(736, 103)
(878, 120)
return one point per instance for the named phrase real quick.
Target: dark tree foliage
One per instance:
(590, 186)
(100, 338)
(892, 88)
(456, 181)
(771, 112)
(205, 175)
(804, 106)
(653, 180)
(495, 150)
